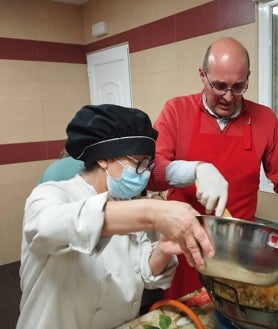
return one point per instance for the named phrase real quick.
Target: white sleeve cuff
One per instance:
(181, 173)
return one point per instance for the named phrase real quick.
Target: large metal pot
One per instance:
(246, 317)
(245, 251)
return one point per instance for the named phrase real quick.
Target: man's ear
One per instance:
(103, 164)
(201, 73)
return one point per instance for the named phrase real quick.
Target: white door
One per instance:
(266, 77)
(109, 76)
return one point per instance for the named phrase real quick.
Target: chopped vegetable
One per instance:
(174, 303)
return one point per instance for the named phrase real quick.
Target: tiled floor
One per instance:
(10, 294)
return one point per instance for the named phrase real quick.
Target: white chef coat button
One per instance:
(137, 269)
(108, 277)
(98, 310)
(135, 303)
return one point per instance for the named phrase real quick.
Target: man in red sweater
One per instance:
(218, 138)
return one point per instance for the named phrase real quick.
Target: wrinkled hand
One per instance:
(212, 189)
(177, 222)
(169, 247)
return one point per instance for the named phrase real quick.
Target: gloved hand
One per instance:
(212, 188)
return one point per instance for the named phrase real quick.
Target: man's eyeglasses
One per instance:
(220, 88)
(141, 165)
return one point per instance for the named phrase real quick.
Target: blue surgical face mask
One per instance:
(129, 185)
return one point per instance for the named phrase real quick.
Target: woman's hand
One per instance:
(178, 223)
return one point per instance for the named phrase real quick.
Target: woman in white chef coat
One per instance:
(85, 256)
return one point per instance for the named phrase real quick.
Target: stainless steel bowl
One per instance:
(245, 251)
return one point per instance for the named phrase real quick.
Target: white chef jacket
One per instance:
(71, 277)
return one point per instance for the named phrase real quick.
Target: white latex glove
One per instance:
(212, 188)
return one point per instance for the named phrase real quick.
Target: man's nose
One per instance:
(228, 95)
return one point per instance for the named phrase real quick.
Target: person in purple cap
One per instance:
(86, 257)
